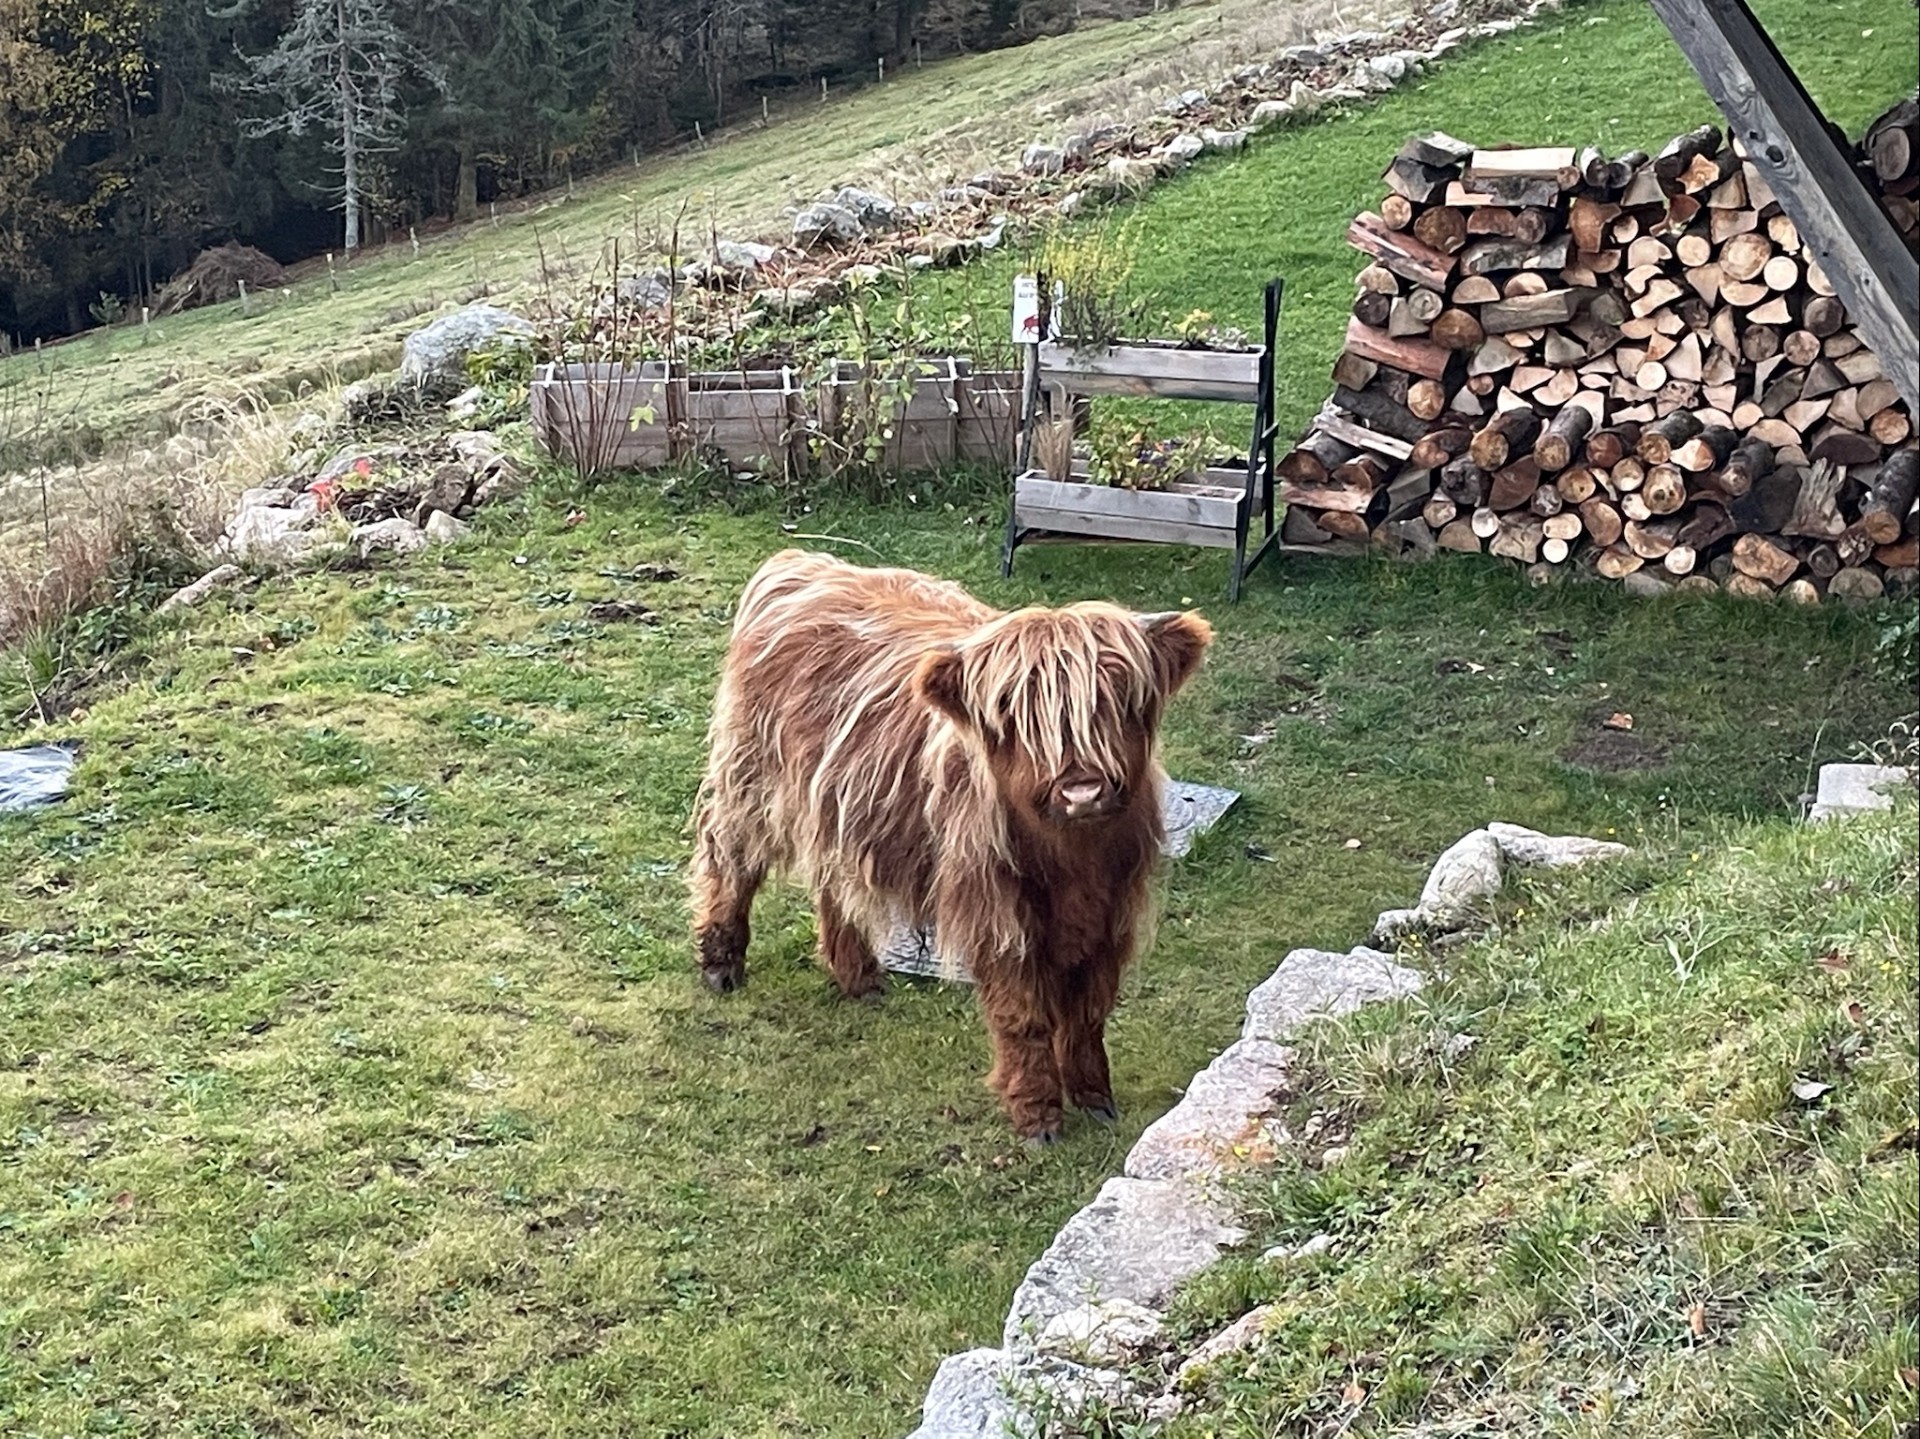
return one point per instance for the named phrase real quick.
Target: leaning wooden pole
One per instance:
(1789, 141)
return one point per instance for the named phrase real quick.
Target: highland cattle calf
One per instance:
(913, 755)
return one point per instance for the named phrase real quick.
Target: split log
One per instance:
(1464, 482)
(1391, 426)
(1456, 329)
(1664, 491)
(1760, 558)
(1651, 540)
(1884, 511)
(1485, 257)
(1459, 536)
(1504, 433)
(1705, 527)
(1560, 441)
(1420, 357)
(1657, 440)
(1857, 586)
(1602, 521)
(1575, 484)
(1442, 229)
(1816, 512)
(1426, 399)
(1518, 538)
(1707, 450)
(1433, 449)
(1513, 485)
(1751, 459)
(1405, 255)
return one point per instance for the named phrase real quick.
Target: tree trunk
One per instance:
(466, 195)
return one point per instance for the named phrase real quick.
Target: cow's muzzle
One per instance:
(1079, 797)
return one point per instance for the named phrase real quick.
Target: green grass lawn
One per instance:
(1641, 1164)
(356, 1073)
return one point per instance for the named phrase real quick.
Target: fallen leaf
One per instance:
(1833, 961)
(1353, 844)
(1809, 1089)
(1354, 1394)
(1619, 719)
(1910, 1378)
(1854, 1012)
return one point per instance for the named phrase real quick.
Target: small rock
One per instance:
(1306, 1249)
(873, 212)
(1044, 160)
(1469, 871)
(744, 255)
(1645, 584)
(402, 536)
(185, 451)
(447, 490)
(1269, 113)
(819, 226)
(1227, 140)
(1849, 789)
(466, 404)
(1528, 846)
(1303, 98)
(1395, 924)
(944, 250)
(1189, 100)
(1077, 147)
(649, 290)
(968, 1397)
(787, 300)
(1125, 175)
(190, 595)
(1071, 205)
(1243, 1333)
(443, 529)
(1312, 983)
(1105, 1333)
(1183, 148)
(1390, 68)
(1309, 55)
(1139, 1240)
(859, 275)
(268, 535)
(375, 398)
(988, 182)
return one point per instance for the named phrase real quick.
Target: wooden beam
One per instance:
(1788, 140)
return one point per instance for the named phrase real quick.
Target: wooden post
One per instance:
(1787, 140)
(763, 120)
(413, 239)
(243, 297)
(333, 278)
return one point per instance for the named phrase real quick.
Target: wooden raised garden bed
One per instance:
(932, 412)
(606, 416)
(1214, 509)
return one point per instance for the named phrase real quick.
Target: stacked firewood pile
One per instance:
(1632, 365)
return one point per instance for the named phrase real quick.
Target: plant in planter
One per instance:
(1199, 332)
(1135, 460)
(1087, 276)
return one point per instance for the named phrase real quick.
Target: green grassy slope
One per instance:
(909, 137)
(1665, 1185)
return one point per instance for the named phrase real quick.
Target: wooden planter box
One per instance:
(605, 416)
(752, 418)
(1201, 511)
(1153, 368)
(586, 415)
(939, 411)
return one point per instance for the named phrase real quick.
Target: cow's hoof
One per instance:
(725, 981)
(866, 987)
(1103, 1110)
(1044, 1138)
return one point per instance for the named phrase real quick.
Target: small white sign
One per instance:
(1026, 310)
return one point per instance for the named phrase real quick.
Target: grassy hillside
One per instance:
(1642, 1164)
(919, 131)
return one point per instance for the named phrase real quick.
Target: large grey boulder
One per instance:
(1138, 1240)
(1318, 983)
(434, 357)
(746, 255)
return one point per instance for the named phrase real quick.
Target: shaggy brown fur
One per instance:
(913, 756)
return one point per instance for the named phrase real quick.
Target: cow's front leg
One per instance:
(1086, 998)
(1024, 1072)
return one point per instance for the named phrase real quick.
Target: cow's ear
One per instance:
(1177, 643)
(941, 682)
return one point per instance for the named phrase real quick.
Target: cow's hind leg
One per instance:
(845, 951)
(725, 880)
